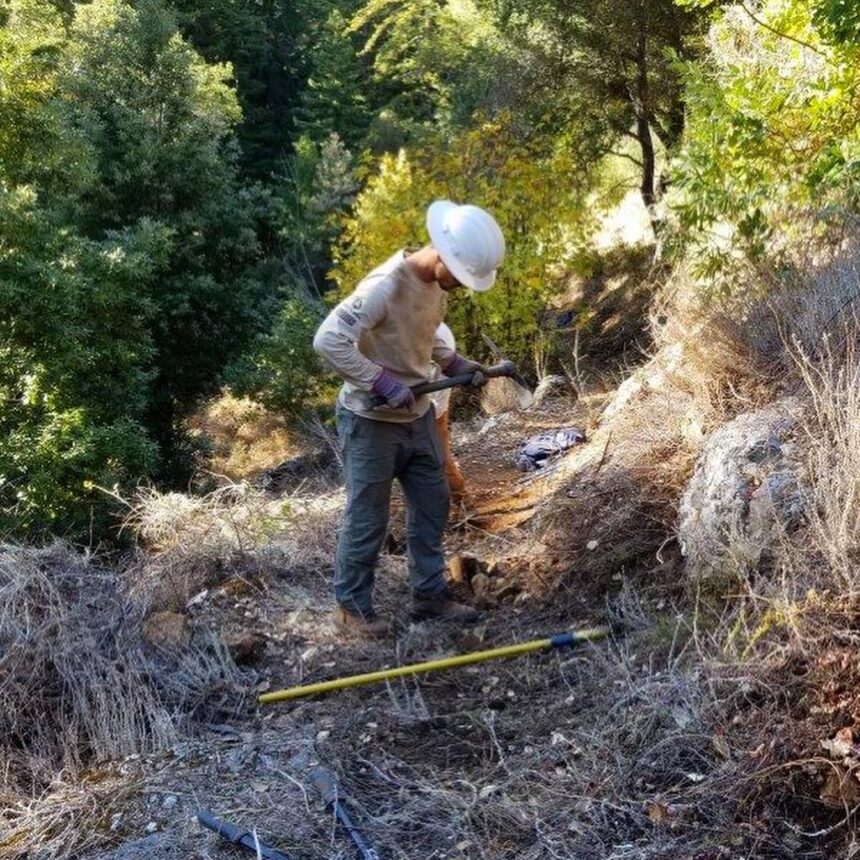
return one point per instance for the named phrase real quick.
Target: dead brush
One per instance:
(817, 564)
(832, 438)
(601, 754)
(192, 542)
(727, 350)
(236, 516)
(78, 686)
(245, 437)
(68, 818)
(71, 663)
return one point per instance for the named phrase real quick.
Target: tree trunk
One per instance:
(646, 142)
(644, 117)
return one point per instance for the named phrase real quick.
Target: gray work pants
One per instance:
(374, 454)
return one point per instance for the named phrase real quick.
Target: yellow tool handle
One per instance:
(558, 641)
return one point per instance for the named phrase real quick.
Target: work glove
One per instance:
(396, 394)
(457, 365)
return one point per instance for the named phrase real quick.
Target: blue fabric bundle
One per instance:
(537, 450)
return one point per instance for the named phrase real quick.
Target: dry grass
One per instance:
(245, 438)
(598, 754)
(79, 686)
(69, 817)
(192, 542)
(72, 664)
(832, 438)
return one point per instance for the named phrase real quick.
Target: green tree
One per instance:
(772, 135)
(534, 188)
(280, 369)
(335, 96)
(435, 64)
(262, 42)
(610, 72)
(159, 121)
(128, 251)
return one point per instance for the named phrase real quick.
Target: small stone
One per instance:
(170, 801)
(481, 586)
(245, 647)
(166, 630)
(592, 544)
(197, 599)
(151, 827)
(322, 736)
(506, 589)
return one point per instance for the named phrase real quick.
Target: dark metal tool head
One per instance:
(523, 394)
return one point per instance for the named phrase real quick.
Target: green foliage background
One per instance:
(184, 187)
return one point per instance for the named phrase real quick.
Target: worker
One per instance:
(381, 340)
(441, 403)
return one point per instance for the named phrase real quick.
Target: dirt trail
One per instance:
(251, 765)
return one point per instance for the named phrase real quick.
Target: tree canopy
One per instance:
(184, 186)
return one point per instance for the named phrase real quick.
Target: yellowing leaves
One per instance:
(532, 189)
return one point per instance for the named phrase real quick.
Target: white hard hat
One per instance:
(468, 240)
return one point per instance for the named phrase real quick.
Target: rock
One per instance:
(505, 589)
(745, 491)
(166, 630)
(481, 586)
(169, 802)
(245, 646)
(197, 599)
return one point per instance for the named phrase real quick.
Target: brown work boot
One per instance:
(367, 625)
(441, 606)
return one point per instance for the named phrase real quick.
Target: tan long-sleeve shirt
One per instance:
(389, 322)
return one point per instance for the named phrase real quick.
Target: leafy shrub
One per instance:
(129, 255)
(281, 370)
(772, 134)
(536, 191)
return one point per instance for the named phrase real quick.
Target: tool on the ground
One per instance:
(560, 640)
(505, 369)
(522, 392)
(239, 836)
(326, 784)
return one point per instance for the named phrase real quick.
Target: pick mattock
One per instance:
(503, 370)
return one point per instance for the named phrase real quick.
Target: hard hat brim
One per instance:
(436, 215)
